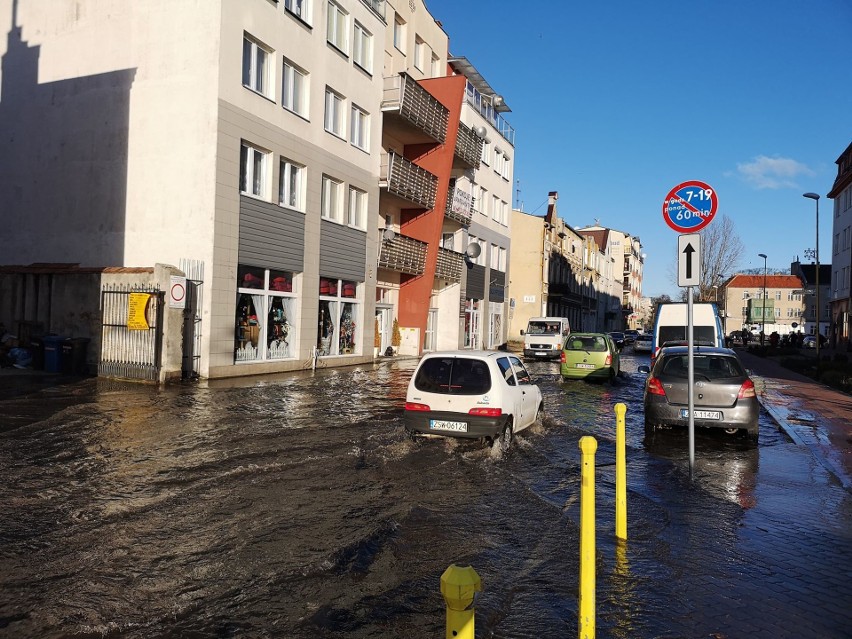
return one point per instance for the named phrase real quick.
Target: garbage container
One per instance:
(74, 355)
(53, 353)
(37, 349)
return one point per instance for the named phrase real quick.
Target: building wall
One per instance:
(526, 283)
(841, 254)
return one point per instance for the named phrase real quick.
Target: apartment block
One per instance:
(840, 295)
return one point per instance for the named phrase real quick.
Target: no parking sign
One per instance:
(690, 206)
(177, 292)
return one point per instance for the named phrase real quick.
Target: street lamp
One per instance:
(763, 310)
(815, 198)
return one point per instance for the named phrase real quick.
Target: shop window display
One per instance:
(265, 312)
(336, 327)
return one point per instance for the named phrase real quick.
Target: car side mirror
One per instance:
(645, 369)
(522, 331)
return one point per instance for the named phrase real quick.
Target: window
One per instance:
(484, 201)
(253, 170)
(436, 66)
(495, 256)
(291, 190)
(300, 8)
(255, 67)
(333, 113)
(362, 48)
(336, 332)
(295, 89)
(778, 295)
(419, 53)
(448, 241)
(359, 129)
(265, 314)
(399, 33)
(357, 208)
(332, 199)
(485, 158)
(495, 208)
(505, 170)
(337, 29)
(745, 295)
(777, 312)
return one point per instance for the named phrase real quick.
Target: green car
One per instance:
(589, 356)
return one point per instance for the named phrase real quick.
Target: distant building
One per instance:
(840, 296)
(807, 273)
(742, 303)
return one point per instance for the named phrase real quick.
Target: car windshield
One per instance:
(710, 367)
(586, 343)
(543, 328)
(453, 375)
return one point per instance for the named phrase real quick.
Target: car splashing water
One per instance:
(296, 506)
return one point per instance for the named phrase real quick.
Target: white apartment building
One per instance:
(840, 295)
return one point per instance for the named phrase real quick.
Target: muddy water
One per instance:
(295, 506)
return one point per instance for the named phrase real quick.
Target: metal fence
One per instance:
(132, 353)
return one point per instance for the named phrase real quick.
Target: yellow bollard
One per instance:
(620, 472)
(458, 586)
(588, 446)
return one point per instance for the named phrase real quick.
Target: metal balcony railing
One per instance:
(377, 6)
(405, 179)
(403, 254)
(468, 147)
(403, 95)
(484, 104)
(449, 265)
(459, 206)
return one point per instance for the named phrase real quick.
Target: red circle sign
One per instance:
(690, 206)
(178, 291)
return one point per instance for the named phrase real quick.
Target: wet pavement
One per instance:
(295, 506)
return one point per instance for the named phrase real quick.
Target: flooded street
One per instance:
(295, 506)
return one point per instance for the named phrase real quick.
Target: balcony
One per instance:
(459, 206)
(407, 181)
(485, 105)
(468, 150)
(411, 113)
(450, 265)
(403, 254)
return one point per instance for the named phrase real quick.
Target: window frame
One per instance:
(359, 128)
(336, 117)
(337, 26)
(332, 199)
(362, 47)
(249, 170)
(286, 169)
(265, 78)
(399, 33)
(357, 214)
(290, 71)
(301, 9)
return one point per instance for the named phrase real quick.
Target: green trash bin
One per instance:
(53, 353)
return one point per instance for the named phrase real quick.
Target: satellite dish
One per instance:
(388, 235)
(473, 250)
(498, 101)
(480, 132)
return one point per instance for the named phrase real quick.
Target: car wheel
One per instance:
(504, 441)
(539, 415)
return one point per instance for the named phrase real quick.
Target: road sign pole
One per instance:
(690, 380)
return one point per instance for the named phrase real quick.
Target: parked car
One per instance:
(642, 344)
(472, 394)
(618, 339)
(630, 335)
(809, 341)
(589, 355)
(735, 338)
(723, 396)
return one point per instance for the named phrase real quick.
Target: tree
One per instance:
(721, 251)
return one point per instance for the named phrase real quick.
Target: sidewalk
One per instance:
(812, 414)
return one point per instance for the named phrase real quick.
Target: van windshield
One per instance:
(704, 335)
(543, 328)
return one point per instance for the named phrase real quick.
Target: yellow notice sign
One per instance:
(137, 304)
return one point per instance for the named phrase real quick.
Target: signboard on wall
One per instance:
(177, 292)
(137, 306)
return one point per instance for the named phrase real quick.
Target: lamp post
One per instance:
(815, 198)
(763, 310)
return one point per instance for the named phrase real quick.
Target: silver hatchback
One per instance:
(723, 396)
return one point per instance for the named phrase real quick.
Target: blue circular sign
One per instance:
(690, 206)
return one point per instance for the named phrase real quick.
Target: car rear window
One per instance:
(700, 334)
(586, 343)
(708, 366)
(453, 375)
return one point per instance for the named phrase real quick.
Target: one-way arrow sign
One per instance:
(688, 259)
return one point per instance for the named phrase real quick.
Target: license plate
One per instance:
(440, 424)
(540, 353)
(584, 365)
(701, 414)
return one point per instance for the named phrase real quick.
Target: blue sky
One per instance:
(616, 102)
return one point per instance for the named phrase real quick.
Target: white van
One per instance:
(671, 320)
(545, 336)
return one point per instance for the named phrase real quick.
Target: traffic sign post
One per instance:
(688, 208)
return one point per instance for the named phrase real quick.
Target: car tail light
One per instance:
(655, 387)
(746, 390)
(416, 406)
(562, 357)
(486, 412)
(608, 361)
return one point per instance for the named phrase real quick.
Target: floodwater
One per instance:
(295, 506)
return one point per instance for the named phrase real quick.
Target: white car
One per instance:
(472, 394)
(642, 343)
